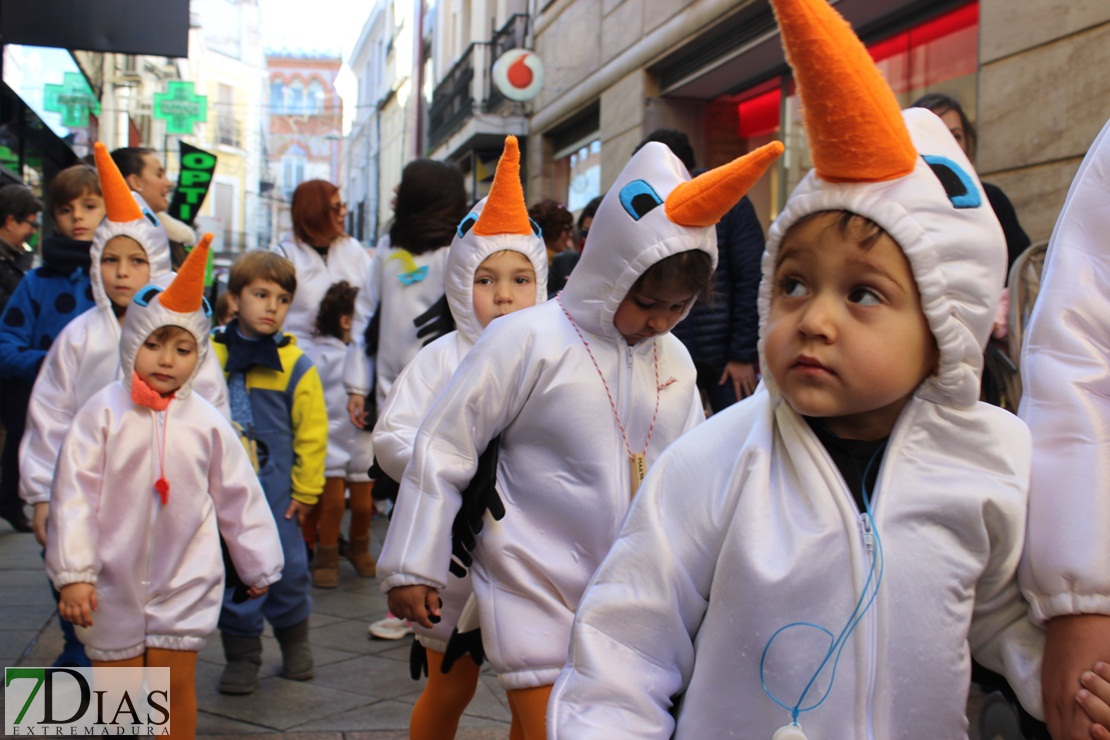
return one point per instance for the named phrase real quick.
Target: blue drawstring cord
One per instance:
(860, 610)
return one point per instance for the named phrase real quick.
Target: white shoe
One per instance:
(390, 628)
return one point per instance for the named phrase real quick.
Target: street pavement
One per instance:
(362, 689)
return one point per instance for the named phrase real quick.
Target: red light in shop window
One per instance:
(760, 115)
(937, 28)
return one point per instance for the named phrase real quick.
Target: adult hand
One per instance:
(256, 591)
(416, 603)
(1072, 645)
(39, 520)
(356, 409)
(77, 602)
(742, 375)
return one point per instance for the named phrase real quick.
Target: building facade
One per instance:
(305, 129)
(617, 69)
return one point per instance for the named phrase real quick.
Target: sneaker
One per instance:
(390, 628)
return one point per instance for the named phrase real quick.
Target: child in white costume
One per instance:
(580, 390)
(85, 356)
(135, 517)
(1064, 373)
(497, 225)
(747, 585)
(350, 453)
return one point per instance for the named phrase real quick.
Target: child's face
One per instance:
(650, 311)
(846, 338)
(260, 308)
(124, 269)
(503, 283)
(79, 218)
(166, 363)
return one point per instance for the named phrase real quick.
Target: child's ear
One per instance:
(232, 304)
(133, 182)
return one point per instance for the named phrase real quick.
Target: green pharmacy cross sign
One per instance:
(74, 99)
(180, 107)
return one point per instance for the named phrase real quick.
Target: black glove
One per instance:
(435, 322)
(384, 486)
(418, 661)
(231, 577)
(373, 330)
(478, 497)
(461, 644)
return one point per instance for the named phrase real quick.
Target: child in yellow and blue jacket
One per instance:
(277, 399)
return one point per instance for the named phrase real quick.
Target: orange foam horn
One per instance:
(118, 201)
(852, 119)
(709, 196)
(505, 211)
(187, 289)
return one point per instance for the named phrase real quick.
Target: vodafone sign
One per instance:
(518, 74)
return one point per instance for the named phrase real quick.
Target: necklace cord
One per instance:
(612, 403)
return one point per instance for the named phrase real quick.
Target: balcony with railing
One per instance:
(468, 88)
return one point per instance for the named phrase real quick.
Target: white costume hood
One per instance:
(653, 211)
(499, 222)
(127, 215)
(907, 174)
(181, 304)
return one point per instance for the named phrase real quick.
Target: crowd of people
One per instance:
(528, 404)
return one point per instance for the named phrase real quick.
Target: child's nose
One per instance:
(817, 320)
(657, 322)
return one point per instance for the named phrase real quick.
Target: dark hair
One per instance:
(866, 231)
(676, 141)
(129, 159)
(691, 271)
(19, 202)
(431, 200)
(338, 302)
(940, 104)
(71, 183)
(261, 265)
(166, 332)
(311, 213)
(589, 211)
(552, 218)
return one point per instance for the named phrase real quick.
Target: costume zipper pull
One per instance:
(162, 486)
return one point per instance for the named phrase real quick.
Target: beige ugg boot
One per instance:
(358, 552)
(325, 567)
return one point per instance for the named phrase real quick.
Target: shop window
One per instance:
(937, 55)
(578, 174)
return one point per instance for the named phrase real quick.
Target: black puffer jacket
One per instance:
(727, 327)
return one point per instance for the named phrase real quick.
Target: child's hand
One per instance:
(298, 509)
(256, 591)
(39, 520)
(356, 409)
(1094, 697)
(77, 602)
(417, 603)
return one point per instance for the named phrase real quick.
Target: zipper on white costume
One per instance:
(871, 626)
(159, 426)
